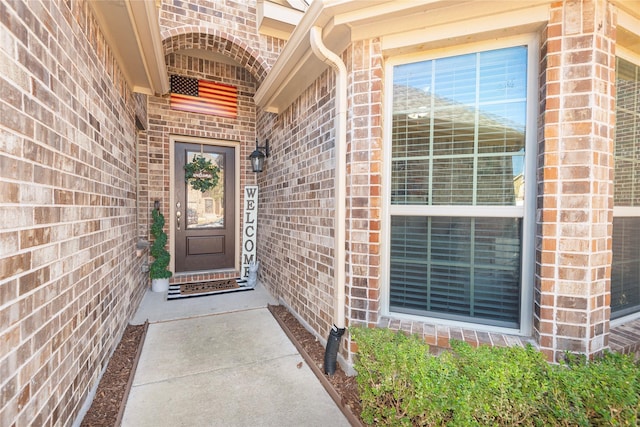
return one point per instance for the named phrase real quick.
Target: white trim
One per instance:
(628, 55)
(132, 31)
(510, 23)
(461, 211)
(530, 190)
(527, 212)
(626, 211)
(277, 20)
(633, 57)
(628, 22)
(172, 178)
(518, 40)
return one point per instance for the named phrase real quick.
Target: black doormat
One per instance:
(202, 289)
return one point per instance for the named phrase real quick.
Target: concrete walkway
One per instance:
(222, 361)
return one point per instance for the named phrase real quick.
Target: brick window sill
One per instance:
(625, 338)
(439, 336)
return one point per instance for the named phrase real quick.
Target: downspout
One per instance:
(329, 57)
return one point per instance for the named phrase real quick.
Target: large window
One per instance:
(457, 181)
(625, 272)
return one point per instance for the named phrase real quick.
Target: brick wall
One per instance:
(364, 181)
(165, 122)
(296, 220)
(69, 276)
(575, 171)
(228, 27)
(298, 199)
(574, 207)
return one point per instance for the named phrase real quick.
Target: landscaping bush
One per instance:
(602, 392)
(402, 384)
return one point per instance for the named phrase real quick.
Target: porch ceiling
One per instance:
(629, 25)
(402, 27)
(132, 30)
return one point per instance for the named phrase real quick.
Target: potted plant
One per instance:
(158, 270)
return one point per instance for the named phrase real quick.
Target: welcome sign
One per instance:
(250, 227)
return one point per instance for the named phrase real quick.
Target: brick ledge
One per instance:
(438, 336)
(625, 338)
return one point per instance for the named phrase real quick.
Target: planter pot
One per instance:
(159, 285)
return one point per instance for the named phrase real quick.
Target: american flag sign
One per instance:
(201, 96)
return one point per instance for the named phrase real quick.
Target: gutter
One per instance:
(329, 57)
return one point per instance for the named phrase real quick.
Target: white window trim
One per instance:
(527, 212)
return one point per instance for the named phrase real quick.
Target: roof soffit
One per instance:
(277, 20)
(628, 31)
(132, 31)
(403, 27)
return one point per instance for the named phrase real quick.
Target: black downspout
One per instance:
(331, 352)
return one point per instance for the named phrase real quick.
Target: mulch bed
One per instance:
(108, 404)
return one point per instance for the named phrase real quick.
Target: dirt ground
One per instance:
(108, 404)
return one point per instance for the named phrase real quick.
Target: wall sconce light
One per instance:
(257, 157)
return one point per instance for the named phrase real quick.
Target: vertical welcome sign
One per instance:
(250, 227)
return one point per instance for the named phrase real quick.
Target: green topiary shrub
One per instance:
(158, 268)
(402, 384)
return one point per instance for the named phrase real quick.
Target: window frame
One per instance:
(625, 211)
(526, 211)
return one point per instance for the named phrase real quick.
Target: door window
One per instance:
(206, 210)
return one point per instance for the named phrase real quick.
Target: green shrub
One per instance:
(162, 258)
(601, 392)
(502, 386)
(402, 384)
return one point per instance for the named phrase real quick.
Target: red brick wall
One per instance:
(69, 275)
(364, 181)
(575, 170)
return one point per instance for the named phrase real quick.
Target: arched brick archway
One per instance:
(210, 39)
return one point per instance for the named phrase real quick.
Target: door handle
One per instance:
(178, 215)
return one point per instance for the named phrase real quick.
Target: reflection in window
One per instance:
(458, 139)
(458, 122)
(625, 269)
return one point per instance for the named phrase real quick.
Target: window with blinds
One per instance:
(625, 269)
(458, 140)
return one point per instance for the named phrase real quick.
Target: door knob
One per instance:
(178, 215)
